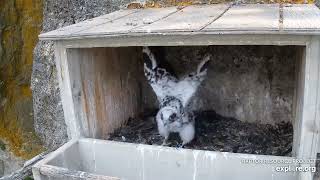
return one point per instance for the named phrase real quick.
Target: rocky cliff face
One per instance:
(48, 113)
(20, 23)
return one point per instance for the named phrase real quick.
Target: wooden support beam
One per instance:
(66, 174)
(72, 118)
(307, 123)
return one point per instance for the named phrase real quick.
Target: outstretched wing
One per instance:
(161, 81)
(187, 87)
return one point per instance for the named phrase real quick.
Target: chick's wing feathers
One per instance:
(160, 79)
(202, 67)
(149, 59)
(165, 84)
(186, 88)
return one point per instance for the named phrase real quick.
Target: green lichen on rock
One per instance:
(20, 24)
(28, 178)
(2, 145)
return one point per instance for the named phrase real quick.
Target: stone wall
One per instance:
(20, 23)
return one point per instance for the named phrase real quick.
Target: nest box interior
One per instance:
(255, 85)
(261, 89)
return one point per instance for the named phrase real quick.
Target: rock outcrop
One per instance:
(48, 113)
(20, 24)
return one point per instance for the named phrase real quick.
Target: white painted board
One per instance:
(191, 18)
(84, 25)
(124, 25)
(249, 17)
(301, 17)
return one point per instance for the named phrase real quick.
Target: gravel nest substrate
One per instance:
(215, 133)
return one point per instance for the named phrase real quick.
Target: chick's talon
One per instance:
(165, 143)
(179, 146)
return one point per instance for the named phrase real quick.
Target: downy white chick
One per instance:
(174, 96)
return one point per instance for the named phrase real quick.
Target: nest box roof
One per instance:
(197, 19)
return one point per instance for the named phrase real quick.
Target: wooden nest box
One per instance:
(99, 63)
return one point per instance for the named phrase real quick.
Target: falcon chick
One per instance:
(174, 95)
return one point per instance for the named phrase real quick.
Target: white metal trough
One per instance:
(89, 53)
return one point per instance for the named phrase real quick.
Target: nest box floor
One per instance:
(215, 133)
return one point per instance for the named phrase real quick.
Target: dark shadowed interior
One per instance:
(246, 104)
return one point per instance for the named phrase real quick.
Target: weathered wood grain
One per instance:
(298, 99)
(186, 39)
(250, 17)
(191, 18)
(105, 91)
(75, 84)
(90, 23)
(307, 127)
(298, 17)
(124, 25)
(59, 172)
(71, 117)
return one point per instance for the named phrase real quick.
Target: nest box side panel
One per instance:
(105, 87)
(306, 126)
